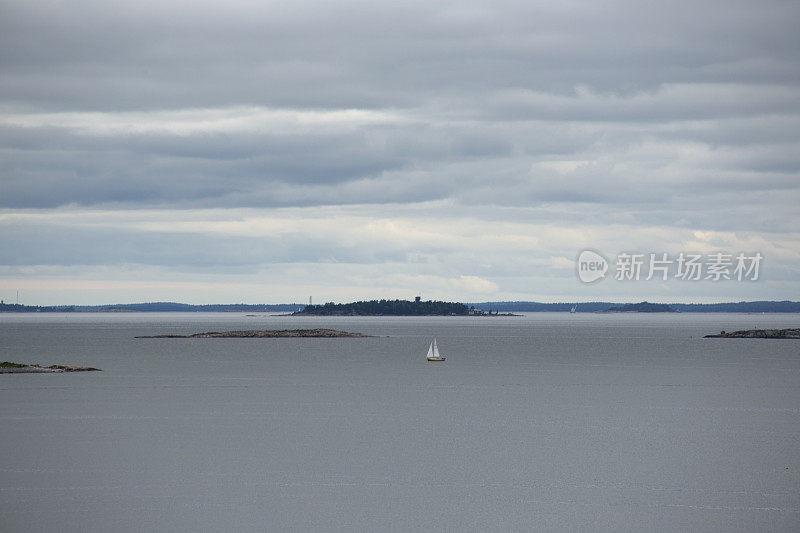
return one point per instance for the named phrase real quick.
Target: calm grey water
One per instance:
(550, 422)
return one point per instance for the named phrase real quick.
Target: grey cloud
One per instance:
(95, 55)
(54, 166)
(647, 113)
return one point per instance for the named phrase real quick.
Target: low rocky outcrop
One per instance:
(791, 333)
(275, 333)
(8, 367)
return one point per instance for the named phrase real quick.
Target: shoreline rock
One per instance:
(790, 333)
(275, 333)
(20, 368)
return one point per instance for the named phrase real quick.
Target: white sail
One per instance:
(433, 352)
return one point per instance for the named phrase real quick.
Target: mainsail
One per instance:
(433, 352)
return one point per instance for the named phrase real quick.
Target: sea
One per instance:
(541, 422)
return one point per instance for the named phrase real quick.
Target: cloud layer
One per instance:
(462, 149)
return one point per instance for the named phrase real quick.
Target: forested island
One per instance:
(396, 308)
(387, 308)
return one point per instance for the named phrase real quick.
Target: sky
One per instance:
(269, 151)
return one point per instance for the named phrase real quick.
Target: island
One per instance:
(641, 307)
(7, 367)
(396, 308)
(261, 334)
(789, 333)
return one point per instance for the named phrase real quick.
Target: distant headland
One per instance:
(406, 307)
(151, 307)
(764, 306)
(641, 307)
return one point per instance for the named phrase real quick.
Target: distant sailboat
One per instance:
(433, 352)
(575, 308)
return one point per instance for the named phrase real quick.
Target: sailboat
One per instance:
(433, 352)
(575, 308)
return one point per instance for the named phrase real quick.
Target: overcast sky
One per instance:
(268, 151)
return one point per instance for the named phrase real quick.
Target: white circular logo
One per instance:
(591, 266)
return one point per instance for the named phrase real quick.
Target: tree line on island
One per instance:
(388, 307)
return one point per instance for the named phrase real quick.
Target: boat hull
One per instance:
(434, 360)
